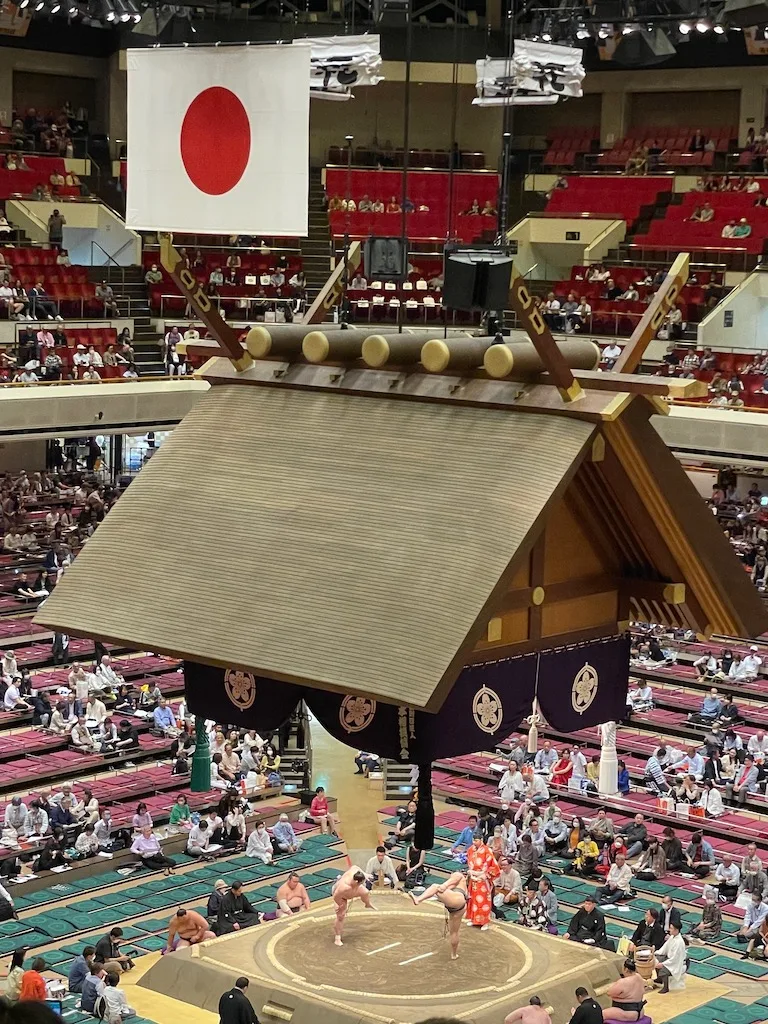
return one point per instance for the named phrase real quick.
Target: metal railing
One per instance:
(264, 303)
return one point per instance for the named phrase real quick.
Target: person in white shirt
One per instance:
(675, 952)
(618, 884)
(751, 663)
(199, 839)
(706, 665)
(358, 283)
(13, 701)
(15, 814)
(108, 674)
(579, 762)
(757, 745)
(95, 710)
(728, 877)
(116, 1005)
(537, 789)
(12, 541)
(260, 844)
(640, 698)
(381, 865)
(551, 311)
(511, 784)
(80, 357)
(611, 353)
(82, 738)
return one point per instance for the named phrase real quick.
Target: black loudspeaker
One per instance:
(384, 258)
(477, 280)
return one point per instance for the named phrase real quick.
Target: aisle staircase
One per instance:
(130, 290)
(316, 247)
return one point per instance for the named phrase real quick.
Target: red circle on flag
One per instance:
(215, 140)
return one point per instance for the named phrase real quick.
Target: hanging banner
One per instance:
(537, 73)
(340, 62)
(577, 686)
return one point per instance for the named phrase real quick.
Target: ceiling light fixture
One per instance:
(702, 26)
(684, 28)
(719, 30)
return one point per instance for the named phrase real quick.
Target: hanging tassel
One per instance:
(424, 836)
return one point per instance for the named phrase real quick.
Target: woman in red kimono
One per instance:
(482, 872)
(562, 769)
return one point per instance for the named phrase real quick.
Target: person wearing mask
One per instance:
(754, 915)
(728, 878)
(709, 927)
(669, 914)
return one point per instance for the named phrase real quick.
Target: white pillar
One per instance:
(608, 784)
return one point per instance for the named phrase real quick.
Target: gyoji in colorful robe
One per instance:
(483, 871)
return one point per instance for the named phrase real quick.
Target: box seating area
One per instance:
(68, 286)
(676, 229)
(430, 188)
(566, 144)
(608, 195)
(253, 277)
(421, 300)
(41, 168)
(717, 960)
(370, 156)
(676, 141)
(620, 316)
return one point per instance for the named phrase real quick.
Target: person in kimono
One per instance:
(483, 872)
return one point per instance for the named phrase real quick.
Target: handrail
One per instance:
(252, 249)
(108, 380)
(706, 405)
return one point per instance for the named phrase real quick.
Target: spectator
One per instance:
(56, 224)
(115, 1006)
(153, 275)
(652, 865)
(147, 848)
(618, 884)
(612, 290)
(709, 927)
(285, 836)
(698, 142)
(80, 969)
(744, 783)
(754, 916)
(703, 214)
(741, 230)
(700, 856)
(358, 283)
(41, 306)
(588, 924)
(636, 836)
(551, 311)
(106, 297)
(33, 983)
(394, 207)
(611, 353)
(728, 229)
(728, 877)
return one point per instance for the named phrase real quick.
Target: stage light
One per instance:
(684, 28)
(40, 5)
(702, 26)
(23, 4)
(604, 32)
(719, 30)
(547, 37)
(582, 32)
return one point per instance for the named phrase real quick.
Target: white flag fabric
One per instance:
(340, 62)
(218, 140)
(536, 70)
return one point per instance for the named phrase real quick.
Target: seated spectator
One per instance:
(473, 210)
(80, 969)
(728, 229)
(618, 884)
(551, 311)
(358, 283)
(631, 294)
(612, 290)
(405, 826)
(640, 698)
(146, 847)
(691, 764)
(703, 214)
(710, 801)
(106, 296)
(41, 307)
(636, 836)
(465, 837)
(112, 1005)
(94, 357)
(698, 142)
(153, 275)
(744, 783)
(531, 910)
(637, 162)
(393, 206)
(365, 205)
(652, 865)
(378, 206)
(648, 933)
(92, 987)
(741, 230)
(285, 836)
(488, 210)
(728, 878)
(164, 720)
(700, 857)
(709, 927)
(754, 916)
(611, 353)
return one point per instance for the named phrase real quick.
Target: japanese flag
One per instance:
(218, 139)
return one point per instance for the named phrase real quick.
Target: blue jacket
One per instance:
(78, 972)
(465, 838)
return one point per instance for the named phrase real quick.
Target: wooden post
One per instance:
(653, 317)
(331, 292)
(541, 336)
(226, 336)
